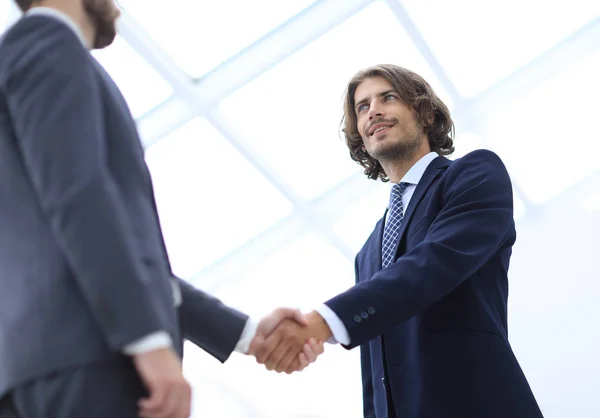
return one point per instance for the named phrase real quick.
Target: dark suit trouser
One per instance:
(100, 390)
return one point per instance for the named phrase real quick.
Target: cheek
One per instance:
(360, 126)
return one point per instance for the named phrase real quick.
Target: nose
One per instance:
(375, 111)
(117, 9)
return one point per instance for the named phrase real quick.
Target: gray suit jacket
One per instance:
(83, 266)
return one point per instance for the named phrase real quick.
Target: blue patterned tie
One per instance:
(392, 224)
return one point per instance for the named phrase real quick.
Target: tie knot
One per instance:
(398, 189)
(396, 194)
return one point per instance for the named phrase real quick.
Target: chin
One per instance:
(104, 40)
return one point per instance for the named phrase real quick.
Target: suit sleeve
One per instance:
(208, 323)
(467, 232)
(53, 96)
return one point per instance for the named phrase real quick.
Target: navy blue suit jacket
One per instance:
(83, 265)
(432, 326)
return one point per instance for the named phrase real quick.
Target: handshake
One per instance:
(288, 341)
(285, 341)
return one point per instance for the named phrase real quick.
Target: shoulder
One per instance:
(481, 160)
(38, 30)
(481, 168)
(38, 39)
(480, 156)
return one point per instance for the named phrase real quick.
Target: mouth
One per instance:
(380, 129)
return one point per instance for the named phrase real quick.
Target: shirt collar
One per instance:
(413, 176)
(56, 14)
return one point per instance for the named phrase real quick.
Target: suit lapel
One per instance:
(431, 173)
(375, 246)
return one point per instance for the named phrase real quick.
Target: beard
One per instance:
(103, 15)
(401, 149)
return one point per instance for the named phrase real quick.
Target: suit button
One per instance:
(364, 315)
(371, 310)
(357, 319)
(383, 381)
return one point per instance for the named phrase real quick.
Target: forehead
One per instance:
(371, 86)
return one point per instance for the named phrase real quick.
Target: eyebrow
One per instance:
(382, 94)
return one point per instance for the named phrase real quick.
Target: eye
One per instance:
(361, 107)
(389, 97)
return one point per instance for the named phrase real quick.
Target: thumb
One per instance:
(155, 399)
(291, 313)
(254, 344)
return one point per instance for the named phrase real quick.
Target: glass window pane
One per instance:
(355, 224)
(9, 14)
(304, 273)
(296, 106)
(465, 143)
(592, 202)
(5, 12)
(141, 85)
(200, 35)
(209, 198)
(541, 136)
(480, 42)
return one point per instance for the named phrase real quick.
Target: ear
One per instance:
(431, 118)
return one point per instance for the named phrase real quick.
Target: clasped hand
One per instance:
(287, 341)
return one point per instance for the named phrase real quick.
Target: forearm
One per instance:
(208, 323)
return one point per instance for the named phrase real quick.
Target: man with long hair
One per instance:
(429, 307)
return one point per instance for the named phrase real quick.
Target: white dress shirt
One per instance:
(159, 339)
(413, 176)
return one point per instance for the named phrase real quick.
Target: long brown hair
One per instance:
(415, 92)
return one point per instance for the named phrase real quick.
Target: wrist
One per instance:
(321, 330)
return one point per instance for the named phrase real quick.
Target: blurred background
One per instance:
(238, 104)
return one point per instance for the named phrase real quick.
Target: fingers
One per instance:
(277, 354)
(289, 313)
(280, 351)
(171, 402)
(275, 346)
(299, 364)
(153, 405)
(264, 347)
(318, 347)
(288, 346)
(286, 360)
(255, 345)
(269, 323)
(169, 392)
(304, 358)
(311, 350)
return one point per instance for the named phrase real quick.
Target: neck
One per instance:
(397, 168)
(76, 12)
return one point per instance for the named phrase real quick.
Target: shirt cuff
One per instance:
(339, 331)
(247, 336)
(151, 342)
